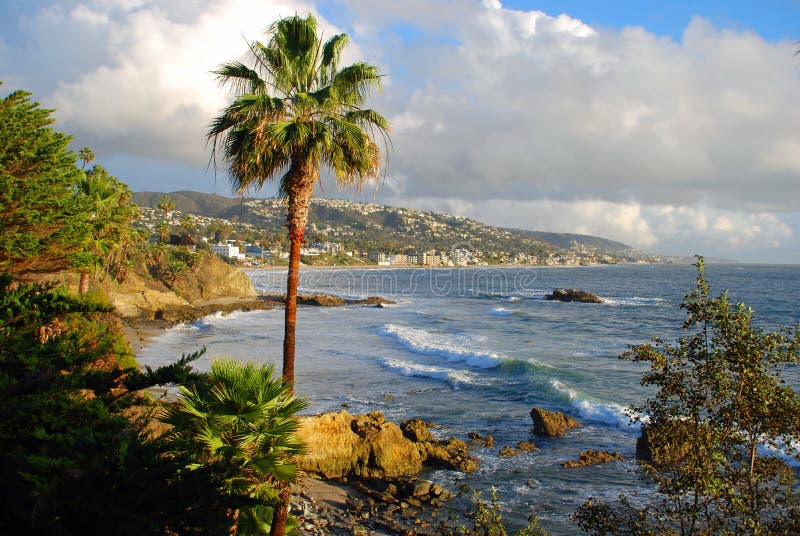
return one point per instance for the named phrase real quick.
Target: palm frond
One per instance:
(355, 82)
(331, 52)
(240, 78)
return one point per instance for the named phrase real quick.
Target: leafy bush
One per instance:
(78, 450)
(717, 423)
(487, 520)
(241, 423)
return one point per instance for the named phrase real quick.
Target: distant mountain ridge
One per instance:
(389, 227)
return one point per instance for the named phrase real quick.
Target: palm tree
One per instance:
(187, 224)
(108, 217)
(87, 155)
(162, 229)
(166, 204)
(295, 112)
(242, 422)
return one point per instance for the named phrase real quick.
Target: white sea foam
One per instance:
(501, 311)
(612, 414)
(450, 347)
(455, 378)
(634, 301)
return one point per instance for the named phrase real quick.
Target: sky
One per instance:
(670, 126)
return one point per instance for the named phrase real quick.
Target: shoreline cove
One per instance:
(559, 356)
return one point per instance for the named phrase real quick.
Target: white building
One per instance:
(228, 251)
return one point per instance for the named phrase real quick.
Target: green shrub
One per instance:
(720, 414)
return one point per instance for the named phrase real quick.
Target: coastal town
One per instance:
(341, 232)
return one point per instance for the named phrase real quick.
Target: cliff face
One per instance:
(212, 279)
(212, 285)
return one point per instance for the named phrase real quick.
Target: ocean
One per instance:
(474, 349)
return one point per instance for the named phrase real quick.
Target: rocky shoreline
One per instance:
(362, 471)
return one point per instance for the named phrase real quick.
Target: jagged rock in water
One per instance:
(592, 457)
(342, 445)
(526, 446)
(450, 453)
(551, 423)
(507, 452)
(339, 444)
(573, 295)
(416, 430)
(476, 439)
(330, 300)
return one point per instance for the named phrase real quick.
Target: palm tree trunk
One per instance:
(281, 512)
(302, 177)
(303, 174)
(290, 322)
(83, 286)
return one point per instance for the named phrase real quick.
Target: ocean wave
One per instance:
(502, 311)
(633, 301)
(452, 348)
(218, 319)
(528, 367)
(456, 379)
(611, 414)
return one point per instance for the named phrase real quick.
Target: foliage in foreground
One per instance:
(78, 452)
(241, 422)
(718, 422)
(486, 519)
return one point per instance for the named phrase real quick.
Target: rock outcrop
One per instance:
(572, 295)
(520, 448)
(451, 453)
(321, 299)
(213, 286)
(344, 445)
(476, 439)
(592, 457)
(551, 423)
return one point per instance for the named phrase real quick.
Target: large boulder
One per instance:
(551, 423)
(344, 445)
(573, 295)
(592, 457)
(339, 444)
(451, 453)
(416, 430)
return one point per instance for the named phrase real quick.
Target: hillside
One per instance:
(369, 226)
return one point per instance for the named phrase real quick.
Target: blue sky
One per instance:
(774, 19)
(671, 126)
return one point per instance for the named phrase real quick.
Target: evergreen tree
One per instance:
(41, 221)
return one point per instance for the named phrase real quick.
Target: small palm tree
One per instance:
(166, 204)
(86, 155)
(163, 231)
(242, 421)
(109, 214)
(187, 224)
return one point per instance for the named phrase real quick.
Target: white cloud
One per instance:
(151, 92)
(515, 117)
(85, 14)
(703, 228)
(538, 106)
